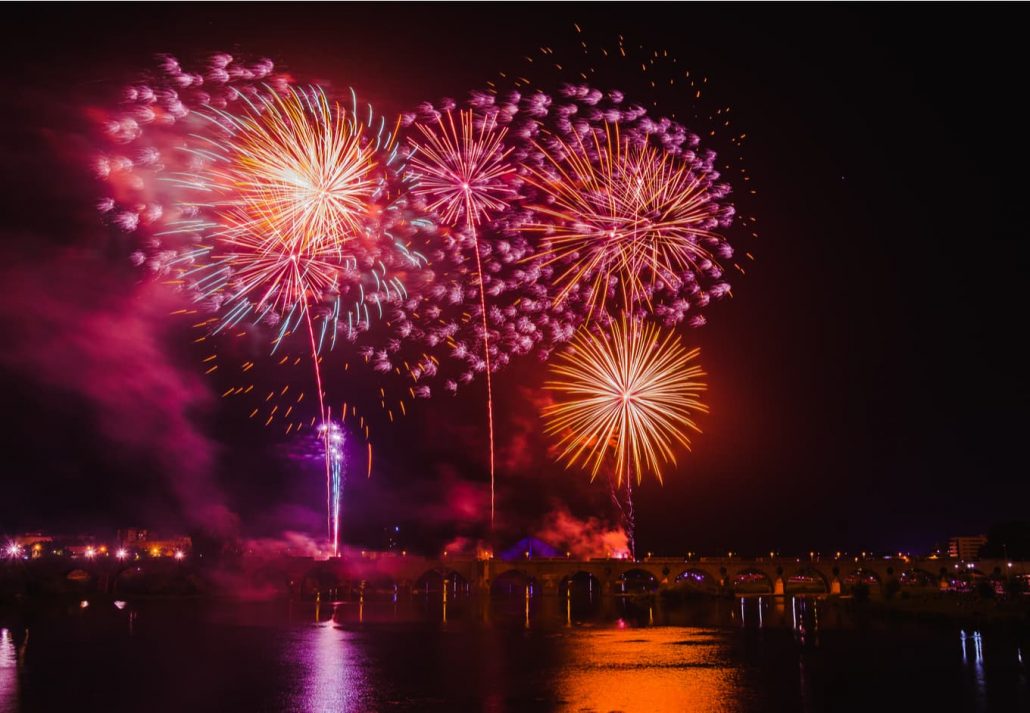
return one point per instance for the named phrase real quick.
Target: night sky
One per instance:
(866, 380)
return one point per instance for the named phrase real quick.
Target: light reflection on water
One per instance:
(333, 678)
(976, 662)
(8, 672)
(516, 653)
(654, 669)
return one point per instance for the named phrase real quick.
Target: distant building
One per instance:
(966, 547)
(166, 547)
(144, 542)
(28, 539)
(131, 536)
(33, 544)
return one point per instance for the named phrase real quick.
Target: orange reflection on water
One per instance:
(647, 670)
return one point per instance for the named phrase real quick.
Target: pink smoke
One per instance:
(289, 544)
(75, 326)
(523, 445)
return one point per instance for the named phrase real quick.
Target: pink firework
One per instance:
(593, 201)
(537, 292)
(615, 212)
(462, 172)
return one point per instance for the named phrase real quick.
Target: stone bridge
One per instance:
(387, 572)
(775, 576)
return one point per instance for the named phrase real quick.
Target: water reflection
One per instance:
(976, 662)
(529, 648)
(8, 672)
(660, 669)
(331, 667)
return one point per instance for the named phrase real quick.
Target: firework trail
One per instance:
(628, 398)
(462, 172)
(331, 438)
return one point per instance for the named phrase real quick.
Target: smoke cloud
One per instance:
(76, 327)
(581, 538)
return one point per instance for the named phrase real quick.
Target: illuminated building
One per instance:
(966, 547)
(142, 541)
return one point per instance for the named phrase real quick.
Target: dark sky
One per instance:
(866, 380)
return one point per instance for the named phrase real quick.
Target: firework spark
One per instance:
(463, 174)
(550, 132)
(633, 393)
(463, 171)
(293, 166)
(621, 213)
(331, 438)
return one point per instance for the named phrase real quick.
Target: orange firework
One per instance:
(620, 212)
(633, 392)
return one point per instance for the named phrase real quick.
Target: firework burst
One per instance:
(462, 171)
(276, 201)
(620, 213)
(631, 394)
(294, 167)
(463, 174)
(627, 210)
(290, 181)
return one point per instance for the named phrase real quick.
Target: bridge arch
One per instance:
(916, 578)
(637, 581)
(320, 579)
(806, 580)
(434, 581)
(965, 579)
(379, 583)
(79, 576)
(751, 580)
(272, 579)
(510, 582)
(861, 577)
(580, 583)
(698, 580)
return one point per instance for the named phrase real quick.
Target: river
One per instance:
(513, 654)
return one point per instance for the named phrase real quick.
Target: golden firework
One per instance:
(632, 393)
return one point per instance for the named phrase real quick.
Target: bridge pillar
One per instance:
(483, 576)
(778, 587)
(835, 586)
(549, 583)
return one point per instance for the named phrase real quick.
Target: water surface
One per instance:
(513, 654)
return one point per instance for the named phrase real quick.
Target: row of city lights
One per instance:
(15, 551)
